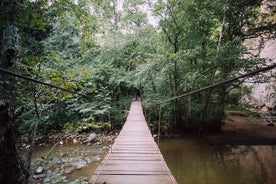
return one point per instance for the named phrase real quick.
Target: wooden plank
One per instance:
(134, 157)
(118, 172)
(122, 168)
(133, 179)
(114, 161)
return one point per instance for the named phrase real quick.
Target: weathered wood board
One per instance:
(134, 158)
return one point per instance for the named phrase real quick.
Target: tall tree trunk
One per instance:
(189, 106)
(177, 105)
(222, 97)
(153, 86)
(33, 136)
(11, 168)
(206, 101)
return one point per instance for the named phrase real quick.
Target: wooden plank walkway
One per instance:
(134, 157)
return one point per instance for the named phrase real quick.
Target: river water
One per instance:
(191, 160)
(195, 161)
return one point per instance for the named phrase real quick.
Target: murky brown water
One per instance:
(194, 161)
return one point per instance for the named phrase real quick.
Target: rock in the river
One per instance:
(98, 143)
(80, 164)
(39, 176)
(91, 137)
(27, 147)
(105, 147)
(265, 109)
(75, 141)
(39, 170)
(70, 170)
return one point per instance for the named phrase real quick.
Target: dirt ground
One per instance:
(241, 129)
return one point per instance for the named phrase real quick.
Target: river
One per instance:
(195, 161)
(191, 160)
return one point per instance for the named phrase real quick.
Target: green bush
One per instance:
(97, 127)
(87, 125)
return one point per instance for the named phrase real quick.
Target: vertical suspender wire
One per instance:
(159, 125)
(145, 113)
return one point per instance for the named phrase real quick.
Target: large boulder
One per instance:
(264, 94)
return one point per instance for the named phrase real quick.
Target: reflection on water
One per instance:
(194, 161)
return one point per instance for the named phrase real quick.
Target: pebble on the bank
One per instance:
(91, 137)
(39, 170)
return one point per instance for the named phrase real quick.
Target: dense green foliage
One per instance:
(69, 57)
(103, 49)
(202, 44)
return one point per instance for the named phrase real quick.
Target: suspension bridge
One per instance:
(134, 157)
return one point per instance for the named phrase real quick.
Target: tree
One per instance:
(187, 29)
(203, 44)
(11, 168)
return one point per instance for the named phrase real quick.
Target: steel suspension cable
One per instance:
(221, 83)
(39, 82)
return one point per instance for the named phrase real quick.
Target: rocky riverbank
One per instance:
(66, 158)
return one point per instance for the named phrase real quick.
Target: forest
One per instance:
(101, 50)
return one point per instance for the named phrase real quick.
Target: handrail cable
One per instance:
(39, 82)
(221, 83)
(168, 100)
